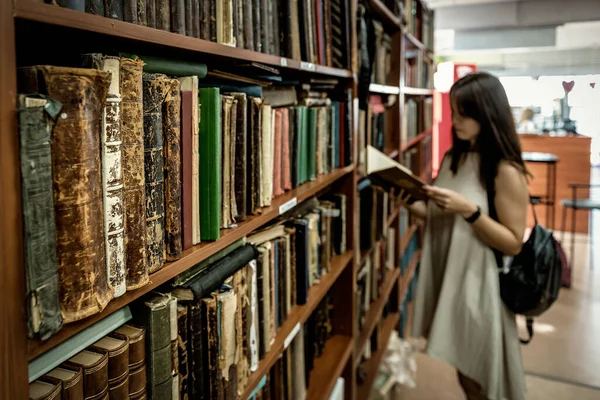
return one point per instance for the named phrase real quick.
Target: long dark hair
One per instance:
(481, 96)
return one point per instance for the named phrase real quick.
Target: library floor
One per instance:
(562, 361)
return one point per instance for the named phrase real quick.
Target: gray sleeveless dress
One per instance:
(458, 306)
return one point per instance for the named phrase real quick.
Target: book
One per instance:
(210, 162)
(36, 120)
(134, 192)
(241, 156)
(48, 389)
(117, 347)
(76, 157)
(386, 171)
(72, 381)
(186, 170)
(95, 372)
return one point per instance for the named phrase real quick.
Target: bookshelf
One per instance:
(23, 22)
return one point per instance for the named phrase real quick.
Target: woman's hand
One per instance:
(450, 201)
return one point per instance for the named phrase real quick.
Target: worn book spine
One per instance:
(227, 104)
(186, 168)
(189, 30)
(163, 15)
(213, 21)
(232, 158)
(151, 13)
(182, 350)
(95, 376)
(294, 26)
(114, 9)
(205, 20)
(257, 25)
(211, 358)
(95, 7)
(277, 153)
(255, 151)
(253, 317)
(265, 30)
(247, 24)
(286, 177)
(142, 18)
(241, 157)
(77, 5)
(226, 342)
(266, 156)
(112, 179)
(240, 284)
(237, 27)
(276, 31)
(198, 381)
(77, 184)
(171, 114)
(137, 382)
(130, 12)
(178, 16)
(43, 306)
(196, 17)
(154, 92)
(134, 194)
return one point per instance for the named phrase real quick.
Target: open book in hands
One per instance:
(382, 170)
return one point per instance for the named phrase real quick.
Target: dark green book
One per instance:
(210, 162)
(311, 144)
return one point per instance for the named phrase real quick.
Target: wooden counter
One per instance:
(573, 166)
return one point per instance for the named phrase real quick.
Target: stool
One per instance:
(574, 203)
(549, 198)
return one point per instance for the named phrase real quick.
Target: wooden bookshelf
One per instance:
(375, 311)
(192, 257)
(328, 367)
(408, 275)
(371, 366)
(416, 140)
(405, 240)
(392, 21)
(32, 10)
(298, 315)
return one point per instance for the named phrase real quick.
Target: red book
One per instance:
(186, 166)
(277, 189)
(286, 170)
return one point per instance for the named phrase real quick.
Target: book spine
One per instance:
(76, 157)
(248, 24)
(163, 15)
(241, 156)
(196, 18)
(114, 9)
(142, 17)
(227, 104)
(171, 114)
(95, 7)
(154, 90)
(112, 180)
(186, 169)
(43, 305)
(134, 195)
(189, 29)
(178, 16)
(130, 11)
(257, 25)
(212, 20)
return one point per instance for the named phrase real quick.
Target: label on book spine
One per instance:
(291, 336)
(284, 62)
(288, 205)
(306, 66)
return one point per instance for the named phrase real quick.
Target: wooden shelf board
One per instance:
(416, 43)
(383, 89)
(328, 367)
(405, 240)
(374, 312)
(38, 11)
(417, 139)
(393, 216)
(298, 315)
(193, 256)
(392, 21)
(408, 275)
(411, 91)
(371, 366)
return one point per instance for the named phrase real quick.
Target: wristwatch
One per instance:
(475, 216)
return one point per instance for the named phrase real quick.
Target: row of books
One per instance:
(204, 335)
(122, 170)
(316, 31)
(418, 73)
(383, 55)
(417, 118)
(419, 22)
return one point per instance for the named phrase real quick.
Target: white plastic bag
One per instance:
(400, 361)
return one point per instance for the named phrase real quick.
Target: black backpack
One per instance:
(531, 284)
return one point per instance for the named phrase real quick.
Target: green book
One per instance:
(210, 163)
(311, 145)
(300, 142)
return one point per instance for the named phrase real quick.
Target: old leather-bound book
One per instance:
(117, 346)
(227, 104)
(151, 13)
(265, 26)
(45, 389)
(43, 307)
(130, 12)
(163, 15)
(264, 298)
(240, 156)
(257, 25)
(226, 343)
(171, 114)
(142, 18)
(134, 199)
(254, 144)
(247, 24)
(224, 25)
(182, 349)
(77, 184)
(196, 17)
(95, 372)
(137, 382)
(154, 314)
(95, 7)
(319, 140)
(311, 144)
(252, 337)
(72, 381)
(188, 18)
(232, 157)
(210, 163)
(178, 16)
(174, 347)
(211, 348)
(240, 284)
(155, 86)
(190, 83)
(119, 390)
(291, 38)
(186, 168)
(205, 19)
(212, 20)
(266, 156)
(302, 268)
(137, 344)
(236, 23)
(112, 175)
(277, 153)
(197, 378)
(286, 171)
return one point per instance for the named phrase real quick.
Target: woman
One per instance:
(458, 306)
(526, 124)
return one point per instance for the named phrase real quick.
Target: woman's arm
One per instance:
(512, 199)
